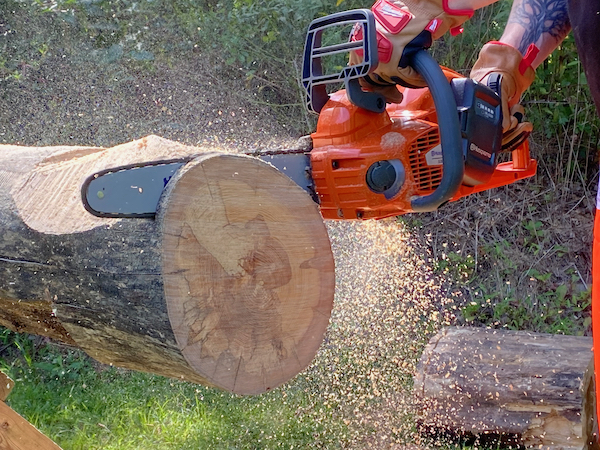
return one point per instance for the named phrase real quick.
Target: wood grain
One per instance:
(249, 275)
(481, 381)
(18, 434)
(6, 385)
(231, 286)
(48, 197)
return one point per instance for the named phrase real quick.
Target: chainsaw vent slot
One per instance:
(427, 177)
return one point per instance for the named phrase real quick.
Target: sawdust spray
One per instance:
(388, 304)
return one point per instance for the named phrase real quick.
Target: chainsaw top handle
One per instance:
(449, 129)
(315, 78)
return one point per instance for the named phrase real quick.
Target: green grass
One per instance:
(520, 293)
(81, 405)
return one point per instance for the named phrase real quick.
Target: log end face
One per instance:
(248, 272)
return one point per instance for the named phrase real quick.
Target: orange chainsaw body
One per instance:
(349, 139)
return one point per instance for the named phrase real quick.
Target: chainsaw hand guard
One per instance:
(315, 81)
(314, 74)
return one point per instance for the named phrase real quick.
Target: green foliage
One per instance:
(259, 43)
(457, 266)
(263, 43)
(555, 311)
(558, 103)
(557, 89)
(531, 300)
(509, 285)
(564, 116)
(460, 53)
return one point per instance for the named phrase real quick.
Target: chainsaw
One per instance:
(366, 159)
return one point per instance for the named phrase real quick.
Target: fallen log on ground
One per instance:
(589, 418)
(231, 285)
(527, 386)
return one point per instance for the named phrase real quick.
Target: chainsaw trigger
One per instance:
(514, 137)
(518, 112)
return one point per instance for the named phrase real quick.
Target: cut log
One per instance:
(589, 418)
(230, 286)
(526, 385)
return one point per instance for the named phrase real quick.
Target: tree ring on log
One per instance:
(248, 271)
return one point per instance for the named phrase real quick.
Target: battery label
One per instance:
(484, 110)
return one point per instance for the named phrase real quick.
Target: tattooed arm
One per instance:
(544, 23)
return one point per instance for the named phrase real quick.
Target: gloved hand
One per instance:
(516, 75)
(404, 27)
(518, 130)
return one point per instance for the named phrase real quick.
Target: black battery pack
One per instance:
(480, 117)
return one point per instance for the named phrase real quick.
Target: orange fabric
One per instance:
(596, 304)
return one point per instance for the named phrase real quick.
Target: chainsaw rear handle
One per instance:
(449, 129)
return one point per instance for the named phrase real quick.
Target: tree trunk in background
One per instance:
(230, 286)
(520, 384)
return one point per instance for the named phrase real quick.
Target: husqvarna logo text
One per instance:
(434, 157)
(475, 149)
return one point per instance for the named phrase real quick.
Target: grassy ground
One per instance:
(83, 405)
(356, 394)
(518, 264)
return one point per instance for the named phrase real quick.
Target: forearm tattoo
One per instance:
(539, 17)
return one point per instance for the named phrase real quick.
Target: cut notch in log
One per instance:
(479, 381)
(231, 286)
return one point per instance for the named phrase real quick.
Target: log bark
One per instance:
(230, 286)
(525, 385)
(589, 418)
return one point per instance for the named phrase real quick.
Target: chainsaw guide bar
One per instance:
(128, 191)
(134, 191)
